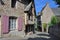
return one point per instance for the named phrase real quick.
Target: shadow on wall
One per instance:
(55, 29)
(52, 27)
(43, 35)
(55, 34)
(2, 2)
(24, 1)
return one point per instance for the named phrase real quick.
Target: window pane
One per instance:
(12, 24)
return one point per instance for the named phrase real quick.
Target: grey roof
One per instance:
(28, 7)
(56, 11)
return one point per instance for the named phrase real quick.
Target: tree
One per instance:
(58, 2)
(53, 21)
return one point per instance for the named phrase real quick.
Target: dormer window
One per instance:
(13, 3)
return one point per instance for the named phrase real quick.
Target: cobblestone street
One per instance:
(44, 36)
(36, 36)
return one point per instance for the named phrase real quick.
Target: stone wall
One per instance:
(47, 13)
(55, 30)
(17, 11)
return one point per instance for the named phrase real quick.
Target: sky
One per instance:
(39, 4)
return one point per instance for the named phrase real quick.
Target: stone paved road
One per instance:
(36, 36)
(43, 36)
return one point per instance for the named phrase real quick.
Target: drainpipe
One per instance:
(0, 28)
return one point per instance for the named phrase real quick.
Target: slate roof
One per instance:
(56, 11)
(28, 7)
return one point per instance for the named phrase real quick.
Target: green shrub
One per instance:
(53, 21)
(44, 25)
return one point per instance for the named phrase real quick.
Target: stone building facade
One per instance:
(46, 14)
(13, 18)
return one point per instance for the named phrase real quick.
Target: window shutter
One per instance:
(20, 24)
(5, 24)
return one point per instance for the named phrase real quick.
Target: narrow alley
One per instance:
(36, 36)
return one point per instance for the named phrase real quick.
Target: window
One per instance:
(13, 3)
(30, 17)
(12, 23)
